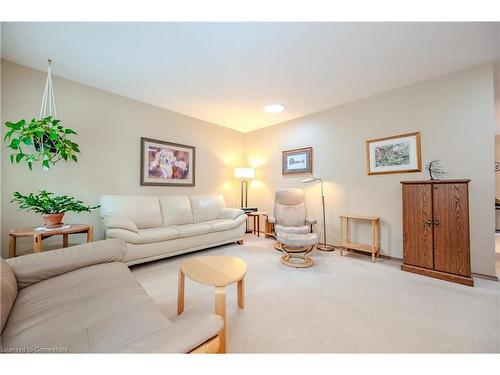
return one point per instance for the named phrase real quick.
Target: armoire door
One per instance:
(417, 225)
(451, 229)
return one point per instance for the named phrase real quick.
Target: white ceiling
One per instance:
(225, 73)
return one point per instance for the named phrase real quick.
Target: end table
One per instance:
(39, 235)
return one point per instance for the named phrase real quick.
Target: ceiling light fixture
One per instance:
(274, 108)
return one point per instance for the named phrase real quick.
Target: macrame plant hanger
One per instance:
(48, 107)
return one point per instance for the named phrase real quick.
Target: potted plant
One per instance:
(51, 206)
(44, 141)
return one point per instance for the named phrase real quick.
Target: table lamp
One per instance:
(321, 246)
(244, 174)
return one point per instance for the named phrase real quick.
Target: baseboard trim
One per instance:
(464, 280)
(486, 277)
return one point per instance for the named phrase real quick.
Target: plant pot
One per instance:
(53, 220)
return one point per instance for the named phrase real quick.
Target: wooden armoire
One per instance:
(436, 229)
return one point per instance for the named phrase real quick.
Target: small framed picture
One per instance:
(297, 161)
(166, 163)
(396, 154)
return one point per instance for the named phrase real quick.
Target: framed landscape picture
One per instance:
(297, 161)
(166, 163)
(396, 154)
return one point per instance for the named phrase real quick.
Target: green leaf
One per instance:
(45, 164)
(30, 165)
(27, 141)
(74, 157)
(53, 136)
(12, 158)
(69, 131)
(8, 134)
(14, 144)
(19, 157)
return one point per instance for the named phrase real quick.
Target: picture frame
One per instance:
(298, 161)
(167, 163)
(395, 154)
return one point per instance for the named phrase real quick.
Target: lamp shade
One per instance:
(244, 173)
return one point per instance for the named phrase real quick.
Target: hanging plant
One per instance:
(44, 141)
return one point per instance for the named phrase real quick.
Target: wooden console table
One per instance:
(345, 241)
(39, 235)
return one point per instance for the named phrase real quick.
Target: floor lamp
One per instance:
(244, 174)
(322, 246)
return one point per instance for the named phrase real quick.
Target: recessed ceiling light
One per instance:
(274, 108)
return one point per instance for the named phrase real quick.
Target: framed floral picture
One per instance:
(166, 163)
(296, 161)
(396, 154)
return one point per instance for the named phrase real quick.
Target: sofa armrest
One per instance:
(182, 336)
(310, 221)
(230, 213)
(271, 219)
(120, 222)
(33, 268)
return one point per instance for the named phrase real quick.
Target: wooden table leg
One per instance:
(373, 241)
(377, 237)
(180, 293)
(341, 236)
(65, 240)
(258, 225)
(37, 243)
(90, 234)
(220, 309)
(241, 293)
(12, 246)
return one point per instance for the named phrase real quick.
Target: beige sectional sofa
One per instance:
(84, 299)
(158, 227)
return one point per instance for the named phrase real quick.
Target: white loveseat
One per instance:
(159, 227)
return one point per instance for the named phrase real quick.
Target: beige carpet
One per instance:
(342, 304)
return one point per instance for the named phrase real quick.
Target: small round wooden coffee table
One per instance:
(216, 271)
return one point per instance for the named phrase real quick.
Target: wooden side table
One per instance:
(216, 271)
(345, 241)
(39, 235)
(268, 227)
(256, 221)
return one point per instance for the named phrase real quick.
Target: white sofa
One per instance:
(83, 299)
(159, 227)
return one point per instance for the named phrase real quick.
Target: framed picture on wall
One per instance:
(396, 154)
(297, 161)
(166, 163)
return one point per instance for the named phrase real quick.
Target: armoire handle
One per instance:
(428, 222)
(436, 222)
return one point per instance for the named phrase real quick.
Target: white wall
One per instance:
(109, 127)
(455, 114)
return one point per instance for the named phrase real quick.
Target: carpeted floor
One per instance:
(341, 304)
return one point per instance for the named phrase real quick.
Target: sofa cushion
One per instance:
(144, 235)
(183, 336)
(119, 222)
(176, 210)
(206, 207)
(144, 211)
(302, 229)
(220, 225)
(33, 268)
(190, 230)
(101, 308)
(8, 291)
(230, 213)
